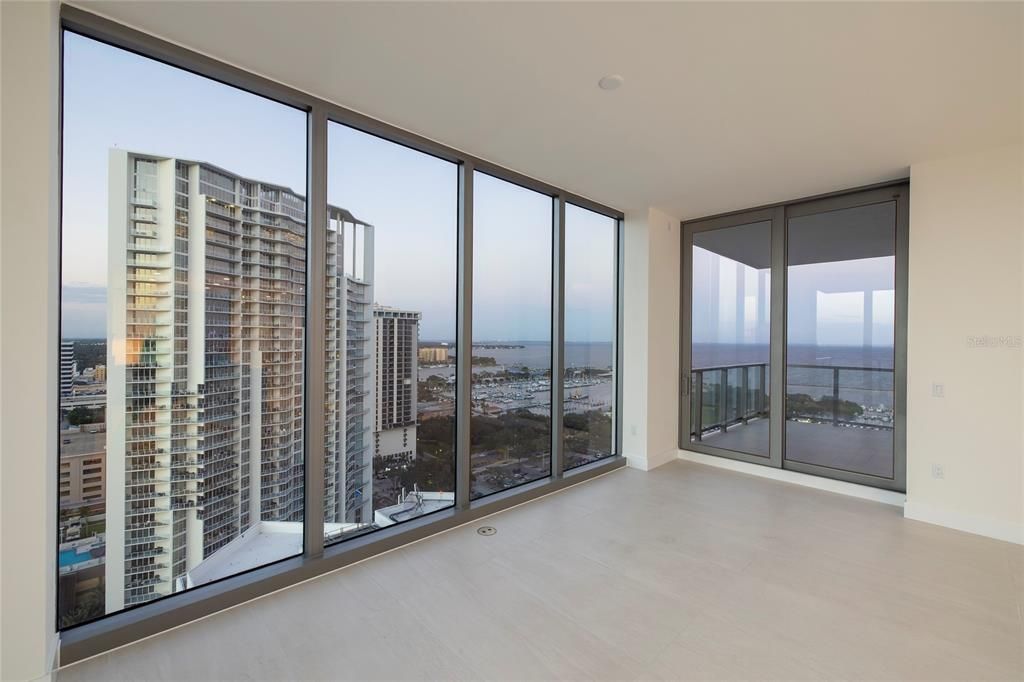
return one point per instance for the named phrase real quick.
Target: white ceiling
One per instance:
(725, 105)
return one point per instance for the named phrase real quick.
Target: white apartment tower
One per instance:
(397, 359)
(205, 366)
(349, 347)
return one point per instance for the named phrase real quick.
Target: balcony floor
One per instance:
(866, 451)
(687, 571)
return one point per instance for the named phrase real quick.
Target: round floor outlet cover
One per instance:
(487, 530)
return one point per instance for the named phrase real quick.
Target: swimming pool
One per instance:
(69, 557)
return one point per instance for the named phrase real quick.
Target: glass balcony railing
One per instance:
(840, 395)
(732, 395)
(727, 395)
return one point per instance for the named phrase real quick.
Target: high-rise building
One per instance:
(68, 367)
(397, 340)
(349, 347)
(205, 367)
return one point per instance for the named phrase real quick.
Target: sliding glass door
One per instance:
(841, 379)
(793, 324)
(728, 359)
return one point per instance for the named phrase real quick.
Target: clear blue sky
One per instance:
(117, 99)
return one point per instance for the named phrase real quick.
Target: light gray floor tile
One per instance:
(686, 572)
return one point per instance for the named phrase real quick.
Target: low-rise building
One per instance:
(435, 355)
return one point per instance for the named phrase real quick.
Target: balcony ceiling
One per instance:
(851, 234)
(724, 105)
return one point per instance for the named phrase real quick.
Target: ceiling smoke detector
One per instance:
(611, 82)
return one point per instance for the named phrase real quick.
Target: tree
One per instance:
(427, 389)
(803, 405)
(90, 352)
(85, 415)
(88, 605)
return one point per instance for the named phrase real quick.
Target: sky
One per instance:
(116, 99)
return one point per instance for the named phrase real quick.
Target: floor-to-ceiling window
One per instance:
(241, 395)
(840, 339)
(730, 269)
(589, 379)
(794, 318)
(389, 422)
(510, 431)
(182, 330)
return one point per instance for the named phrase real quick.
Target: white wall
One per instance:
(966, 283)
(966, 322)
(651, 339)
(966, 261)
(28, 336)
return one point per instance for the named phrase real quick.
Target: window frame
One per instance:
(321, 330)
(117, 629)
(779, 214)
(556, 464)
(559, 357)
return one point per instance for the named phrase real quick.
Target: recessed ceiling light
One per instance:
(611, 82)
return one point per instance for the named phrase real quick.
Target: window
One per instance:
(183, 306)
(840, 339)
(191, 291)
(731, 366)
(510, 430)
(794, 317)
(589, 355)
(390, 333)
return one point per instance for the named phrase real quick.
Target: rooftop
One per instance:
(415, 504)
(264, 543)
(74, 443)
(387, 311)
(344, 212)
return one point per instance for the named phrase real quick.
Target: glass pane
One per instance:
(841, 318)
(730, 337)
(589, 333)
(391, 293)
(510, 431)
(182, 313)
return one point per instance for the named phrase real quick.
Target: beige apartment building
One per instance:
(434, 355)
(82, 468)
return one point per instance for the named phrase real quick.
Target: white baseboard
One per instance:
(998, 530)
(646, 462)
(968, 523)
(842, 487)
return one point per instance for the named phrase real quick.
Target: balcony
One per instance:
(146, 568)
(132, 555)
(833, 417)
